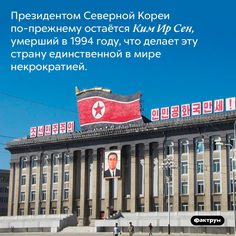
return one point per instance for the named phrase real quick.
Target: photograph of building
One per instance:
(191, 160)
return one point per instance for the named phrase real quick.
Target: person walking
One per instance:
(150, 229)
(131, 229)
(116, 230)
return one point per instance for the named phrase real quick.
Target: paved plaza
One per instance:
(105, 234)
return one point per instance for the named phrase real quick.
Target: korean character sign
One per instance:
(175, 111)
(33, 132)
(196, 109)
(40, 131)
(207, 107)
(218, 105)
(185, 110)
(62, 128)
(230, 104)
(55, 129)
(165, 113)
(70, 127)
(155, 116)
(47, 130)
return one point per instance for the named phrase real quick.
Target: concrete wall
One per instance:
(52, 223)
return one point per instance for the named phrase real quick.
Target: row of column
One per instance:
(14, 187)
(176, 200)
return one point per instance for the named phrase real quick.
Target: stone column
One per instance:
(49, 185)
(83, 189)
(161, 194)
(71, 184)
(16, 188)
(120, 184)
(60, 190)
(224, 178)
(27, 187)
(96, 178)
(191, 173)
(107, 198)
(147, 177)
(207, 180)
(175, 182)
(133, 197)
(38, 185)
(11, 190)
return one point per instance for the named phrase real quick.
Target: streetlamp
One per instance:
(168, 165)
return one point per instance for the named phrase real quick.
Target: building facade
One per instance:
(65, 173)
(4, 188)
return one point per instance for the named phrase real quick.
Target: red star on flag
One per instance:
(98, 109)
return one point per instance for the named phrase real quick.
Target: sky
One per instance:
(181, 75)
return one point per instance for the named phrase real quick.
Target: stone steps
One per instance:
(79, 229)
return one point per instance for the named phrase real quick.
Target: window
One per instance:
(66, 158)
(141, 208)
(21, 212)
(232, 164)
(217, 144)
(184, 146)
(65, 210)
(166, 188)
(32, 196)
(216, 186)
(44, 178)
(232, 206)
(200, 206)
(78, 211)
(199, 146)
(200, 167)
(45, 160)
(156, 207)
(66, 176)
(55, 177)
(169, 148)
(34, 161)
(43, 211)
(23, 162)
(184, 207)
(54, 195)
(216, 165)
(231, 186)
(66, 194)
(32, 211)
(23, 180)
(184, 187)
(184, 167)
(166, 206)
(54, 211)
(90, 211)
(22, 196)
(55, 159)
(200, 187)
(216, 206)
(231, 142)
(44, 195)
(33, 179)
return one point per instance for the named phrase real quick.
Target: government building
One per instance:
(188, 160)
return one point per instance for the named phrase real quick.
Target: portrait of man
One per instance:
(112, 164)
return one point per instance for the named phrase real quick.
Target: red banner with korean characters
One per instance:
(52, 129)
(194, 109)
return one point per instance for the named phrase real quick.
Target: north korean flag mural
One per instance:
(100, 108)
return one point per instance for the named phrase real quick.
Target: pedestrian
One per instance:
(131, 229)
(116, 230)
(150, 229)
